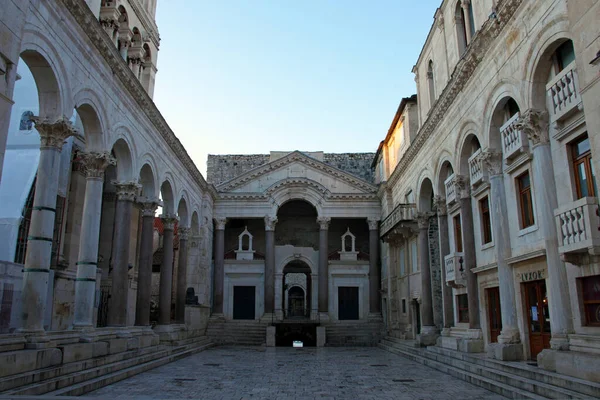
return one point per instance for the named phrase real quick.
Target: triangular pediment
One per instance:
(297, 168)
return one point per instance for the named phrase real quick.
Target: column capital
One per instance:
(183, 232)
(148, 205)
(220, 223)
(323, 223)
(492, 161)
(127, 191)
(440, 205)
(53, 132)
(465, 4)
(95, 163)
(535, 125)
(169, 221)
(373, 224)
(270, 223)
(423, 219)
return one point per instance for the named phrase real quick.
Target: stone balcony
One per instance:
(451, 195)
(578, 227)
(514, 141)
(477, 173)
(454, 276)
(402, 212)
(563, 92)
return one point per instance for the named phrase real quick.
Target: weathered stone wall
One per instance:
(436, 271)
(222, 168)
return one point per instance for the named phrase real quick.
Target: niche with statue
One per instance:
(245, 250)
(348, 252)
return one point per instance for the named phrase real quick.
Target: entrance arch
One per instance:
(297, 288)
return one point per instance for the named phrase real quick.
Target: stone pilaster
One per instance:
(270, 263)
(219, 257)
(465, 6)
(142, 306)
(428, 333)
(447, 298)
(94, 165)
(374, 274)
(323, 264)
(53, 133)
(117, 312)
(184, 234)
(535, 124)
(166, 270)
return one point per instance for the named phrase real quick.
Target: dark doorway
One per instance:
(538, 316)
(296, 302)
(243, 302)
(494, 314)
(417, 308)
(347, 303)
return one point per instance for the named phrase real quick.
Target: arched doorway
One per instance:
(297, 290)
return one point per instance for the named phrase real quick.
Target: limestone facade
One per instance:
(501, 163)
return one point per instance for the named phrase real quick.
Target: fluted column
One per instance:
(41, 229)
(94, 164)
(184, 234)
(323, 264)
(535, 124)
(428, 328)
(166, 270)
(465, 6)
(126, 193)
(144, 290)
(374, 275)
(466, 215)
(447, 301)
(219, 257)
(270, 263)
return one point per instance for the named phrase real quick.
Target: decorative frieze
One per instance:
(53, 132)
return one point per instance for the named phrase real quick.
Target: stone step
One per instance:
(96, 383)
(478, 366)
(489, 384)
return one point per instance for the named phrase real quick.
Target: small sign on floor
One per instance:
(298, 343)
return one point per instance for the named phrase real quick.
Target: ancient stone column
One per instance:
(492, 161)
(534, 124)
(270, 263)
(470, 260)
(428, 334)
(219, 257)
(447, 300)
(117, 312)
(94, 164)
(465, 6)
(182, 275)
(166, 270)
(41, 230)
(144, 291)
(374, 276)
(323, 264)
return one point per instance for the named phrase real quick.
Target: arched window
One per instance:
(26, 124)
(431, 83)
(465, 24)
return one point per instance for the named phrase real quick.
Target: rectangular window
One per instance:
(585, 180)
(486, 222)
(564, 55)
(402, 260)
(403, 306)
(413, 256)
(591, 299)
(458, 234)
(525, 202)
(463, 307)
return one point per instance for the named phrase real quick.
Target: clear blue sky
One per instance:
(248, 77)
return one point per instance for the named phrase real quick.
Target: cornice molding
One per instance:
(304, 159)
(477, 50)
(106, 48)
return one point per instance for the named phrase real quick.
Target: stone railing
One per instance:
(578, 226)
(514, 141)
(563, 91)
(454, 276)
(403, 212)
(478, 174)
(450, 190)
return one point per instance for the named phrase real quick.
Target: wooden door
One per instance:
(538, 317)
(494, 313)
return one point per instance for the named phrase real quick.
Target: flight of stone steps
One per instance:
(238, 332)
(353, 333)
(515, 380)
(77, 378)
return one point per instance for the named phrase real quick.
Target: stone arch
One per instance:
(87, 103)
(504, 89)
(147, 179)
(426, 194)
(122, 153)
(122, 131)
(284, 262)
(469, 136)
(195, 223)
(168, 196)
(297, 189)
(444, 170)
(182, 211)
(499, 114)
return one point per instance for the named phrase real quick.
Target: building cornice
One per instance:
(462, 74)
(106, 48)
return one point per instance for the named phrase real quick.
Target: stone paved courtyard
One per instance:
(287, 373)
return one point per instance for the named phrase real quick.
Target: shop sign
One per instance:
(532, 276)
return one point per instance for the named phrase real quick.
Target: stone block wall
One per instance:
(222, 168)
(11, 283)
(436, 271)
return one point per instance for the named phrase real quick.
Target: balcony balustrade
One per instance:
(514, 141)
(454, 276)
(402, 212)
(478, 174)
(563, 91)
(450, 190)
(578, 227)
